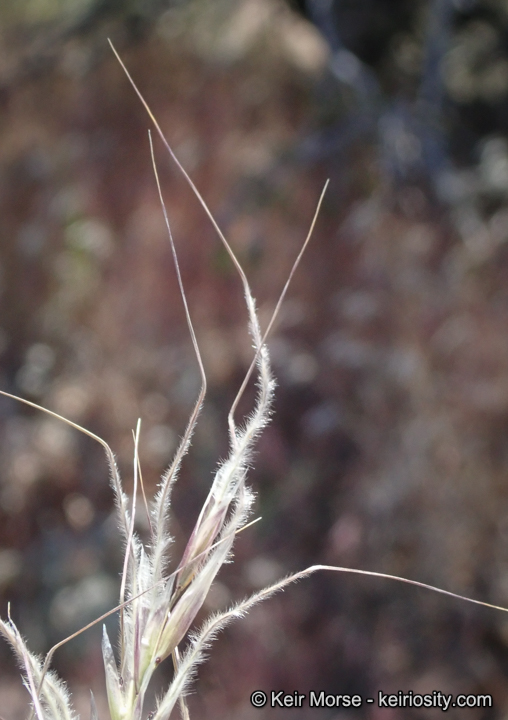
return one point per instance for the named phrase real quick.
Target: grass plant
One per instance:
(157, 607)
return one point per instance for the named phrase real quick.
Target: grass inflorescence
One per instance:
(158, 608)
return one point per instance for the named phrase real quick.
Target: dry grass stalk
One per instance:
(157, 608)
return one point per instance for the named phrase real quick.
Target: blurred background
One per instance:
(388, 450)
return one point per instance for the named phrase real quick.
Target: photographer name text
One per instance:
(322, 699)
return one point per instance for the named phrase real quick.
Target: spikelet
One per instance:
(51, 700)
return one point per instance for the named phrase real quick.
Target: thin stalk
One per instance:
(279, 302)
(129, 550)
(184, 444)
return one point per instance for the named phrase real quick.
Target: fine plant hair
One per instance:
(158, 608)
